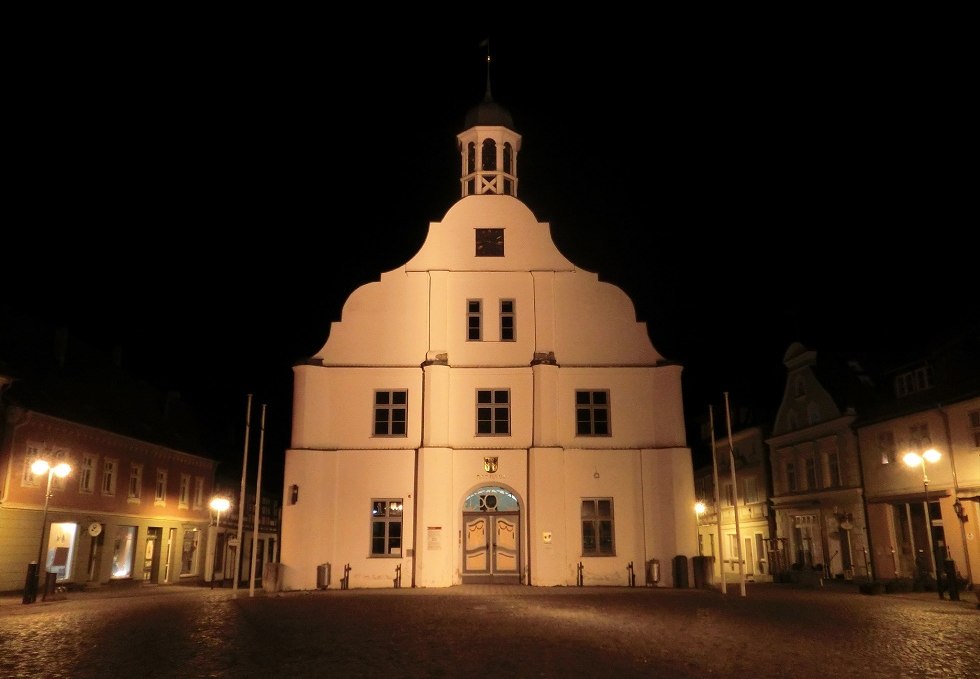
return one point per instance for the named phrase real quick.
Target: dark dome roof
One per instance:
(488, 112)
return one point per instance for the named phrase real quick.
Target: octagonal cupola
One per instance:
(488, 149)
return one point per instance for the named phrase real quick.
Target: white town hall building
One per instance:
(512, 423)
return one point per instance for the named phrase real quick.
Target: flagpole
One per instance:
(714, 464)
(738, 532)
(258, 503)
(241, 499)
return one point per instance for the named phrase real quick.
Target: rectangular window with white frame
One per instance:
(474, 320)
(109, 473)
(184, 494)
(86, 474)
(508, 318)
(386, 527)
(160, 489)
(391, 412)
(135, 482)
(493, 412)
(598, 536)
(592, 412)
(198, 492)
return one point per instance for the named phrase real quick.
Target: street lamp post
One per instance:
(699, 509)
(913, 459)
(218, 504)
(61, 470)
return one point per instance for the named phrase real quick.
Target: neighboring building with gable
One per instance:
(487, 412)
(818, 494)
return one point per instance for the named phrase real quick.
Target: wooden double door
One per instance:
(491, 548)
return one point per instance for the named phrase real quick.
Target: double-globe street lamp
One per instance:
(914, 459)
(39, 467)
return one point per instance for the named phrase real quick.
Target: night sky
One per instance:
(208, 202)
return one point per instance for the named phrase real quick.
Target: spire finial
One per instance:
(486, 43)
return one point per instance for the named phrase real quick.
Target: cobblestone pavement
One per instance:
(773, 631)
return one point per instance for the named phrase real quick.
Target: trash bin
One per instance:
(323, 576)
(703, 572)
(680, 571)
(30, 583)
(653, 571)
(270, 576)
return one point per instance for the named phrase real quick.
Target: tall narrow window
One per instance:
(28, 477)
(597, 527)
(919, 438)
(592, 413)
(493, 412)
(86, 474)
(886, 447)
(386, 527)
(810, 469)
(109, 477)
(198, 492)
(833, 468)
(135, 481)
(390, 413)
(791, 476)
(508, 332)
(474, 320)
(974, 417)
(160, 493)
(184, 496)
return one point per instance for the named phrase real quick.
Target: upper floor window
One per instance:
(493, 412)
(974, 418)
(86, 474)
(160, 490)
(791, 476)
(750, 492)
(833, 468)
(912, 381)
(592, 413)
(198, 492)
(184, 494)
(810, 469)
(508, 331)
(386, 527)
(28, 477)
(813, 413)
(109, 477)
(474, 320)
(597, 527)
(919, 439)
(886, 447)
(391, 413)
(135, 481)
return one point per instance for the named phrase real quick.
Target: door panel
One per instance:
(491, 548)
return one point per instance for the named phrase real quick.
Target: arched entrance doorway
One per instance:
(491, 537)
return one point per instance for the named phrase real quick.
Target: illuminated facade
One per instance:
(129, 511)
(487, 412)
